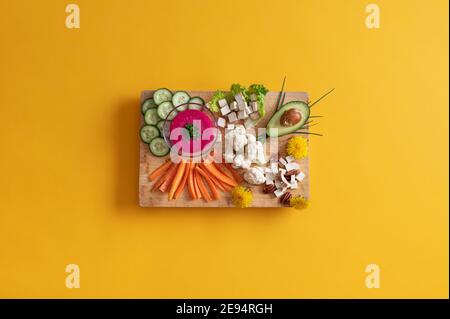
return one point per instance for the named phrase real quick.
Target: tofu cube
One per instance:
(221, 122)
(254, 116)
(242, 115)
(254, 106)
(232, 117)
(223, 103)
(225, 110)
(233, 106)
(239, 99)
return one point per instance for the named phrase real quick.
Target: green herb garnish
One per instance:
(193, 132)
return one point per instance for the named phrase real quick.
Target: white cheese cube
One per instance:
(232, 117)
(247, 110)
(233, 106)
(254, 116)
(223, 103)
(221, 122)
(291, 166)
(225, 110)
(254, 106)
(290, 158)
(300, 176)
(230, 126)
(283, 161)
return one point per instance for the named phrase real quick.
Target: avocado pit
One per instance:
(290, 117)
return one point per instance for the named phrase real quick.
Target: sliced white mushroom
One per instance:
(290, 158)
(294, 184)
(278, 192)
(284, 180)
(292, 166)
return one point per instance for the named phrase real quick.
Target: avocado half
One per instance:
(275, 121)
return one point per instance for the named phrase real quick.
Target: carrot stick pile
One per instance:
(203, 180)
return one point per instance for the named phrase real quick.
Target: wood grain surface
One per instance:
(148, 163)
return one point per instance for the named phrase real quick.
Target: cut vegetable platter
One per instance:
(153, 156)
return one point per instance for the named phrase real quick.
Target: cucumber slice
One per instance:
(164, 109)
(148, 133)
(162, 95)
(160, 126)
(180, 97)
(197, 100)
(158, 147)
(151, 117)
(148, 104)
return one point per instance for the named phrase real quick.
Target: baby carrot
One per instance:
(202, 187)
(183, 181)
(214, 171)
(170, 175)
(223, 187)
(177, 179)
(191, 187)
(158, 172)
(213, 188)
(233, 172)
(198, 194)
(164, 177)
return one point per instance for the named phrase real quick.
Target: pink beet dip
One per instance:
(192, 131)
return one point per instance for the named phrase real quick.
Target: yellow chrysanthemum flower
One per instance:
(241, 197)
(299, 202)
(297, 147)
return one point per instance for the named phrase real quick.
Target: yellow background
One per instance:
(69, 149)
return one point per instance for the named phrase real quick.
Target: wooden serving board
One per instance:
(148, 163)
